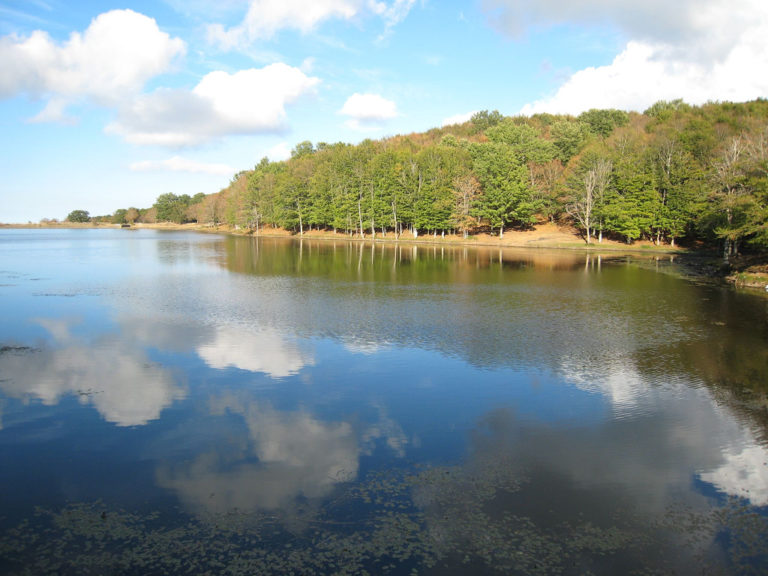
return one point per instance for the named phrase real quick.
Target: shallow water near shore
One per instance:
(173, 402)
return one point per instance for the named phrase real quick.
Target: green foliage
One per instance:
(526, 142)
(119, 217)
(663, 109)
(80, 216)
(484, 119)
(172, 208)
(506, 198)
(569, 137)
(302, 149)
(665, 179)
(603, 122)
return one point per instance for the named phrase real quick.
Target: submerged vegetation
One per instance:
(437, 519)
(673, 173)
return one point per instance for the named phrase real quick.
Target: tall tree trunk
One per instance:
(301, 223)
(394, 218)
(373, 224)
(360, 216)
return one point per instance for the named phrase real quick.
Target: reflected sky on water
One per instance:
(325, 389)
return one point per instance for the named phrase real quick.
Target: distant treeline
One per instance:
(675, 172)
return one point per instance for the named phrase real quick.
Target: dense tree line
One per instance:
(675, 172)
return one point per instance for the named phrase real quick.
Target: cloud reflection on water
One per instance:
(744, 473)
(679, 427)
(108, 373)
(287, 456)
(265, 350)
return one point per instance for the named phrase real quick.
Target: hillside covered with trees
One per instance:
(673, 173)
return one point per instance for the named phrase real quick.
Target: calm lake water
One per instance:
(182, 403)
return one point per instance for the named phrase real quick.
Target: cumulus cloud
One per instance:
(246, 102)
(698, 51)
(179, 164)
(652, 20)
(267, 17)
(641, 75)
(458, 118)
(366, 110)
(116, 55)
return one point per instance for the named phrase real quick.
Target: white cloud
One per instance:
(368, 110)
(681, 22)
(54, 111)
(710, 52)
(246, 102)
(118, 53)
(641, 75)
(279, 152)
(392, 14)
(265, 18)
(179, 164)
(458, 118)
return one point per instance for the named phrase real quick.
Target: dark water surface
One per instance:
(186, 403)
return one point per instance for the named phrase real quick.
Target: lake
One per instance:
(174, 402)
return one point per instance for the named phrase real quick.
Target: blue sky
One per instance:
(106, 106)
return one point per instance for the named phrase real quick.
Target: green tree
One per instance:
(525, 140)
(604, 122)
(80, 216)
(484, 119)
(304, 148)
(506, 196)
(439, 165)
(676, 184)
(629, 207)
(664, 109)
(757, 180)
(569, 137)
(119, 216)
(172, 208)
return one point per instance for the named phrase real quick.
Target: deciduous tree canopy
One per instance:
(78, 216)
(673, 173)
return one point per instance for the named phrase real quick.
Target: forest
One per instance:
(674, 173)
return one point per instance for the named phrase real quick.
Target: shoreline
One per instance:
(745, 272)
(546, 235)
